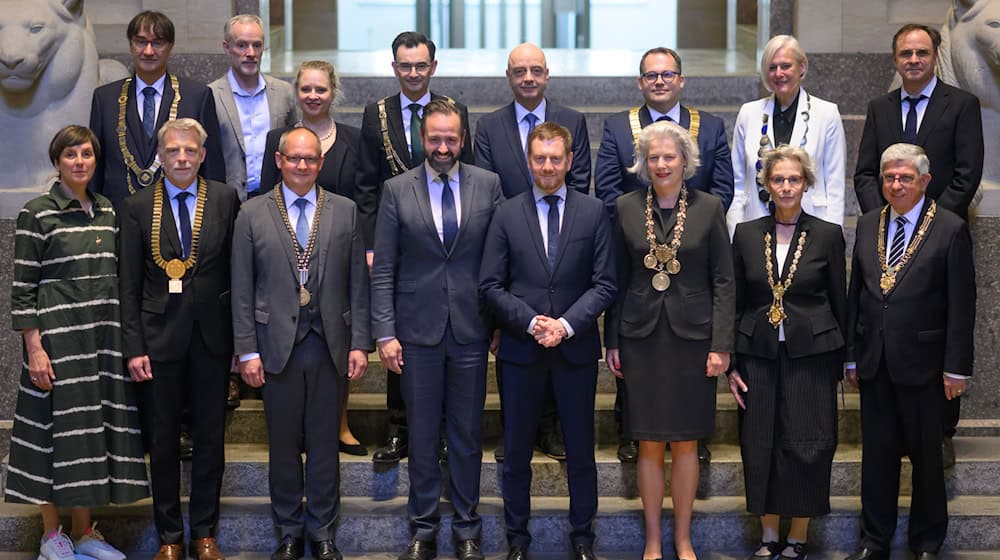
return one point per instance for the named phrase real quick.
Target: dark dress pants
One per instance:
(549, 420)
(950, 412)
(302, 407)
(523, 392)
(445, 380)
(396, 405)
(201, 380)
(899, 420)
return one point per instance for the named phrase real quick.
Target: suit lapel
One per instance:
(685, 118)
(894, 114)
(802, 227)
(232, 113)
(282, 232)
(935, 108)
(467, 189)
(168, 225)
(272, 106)
(511, 129)
(566, 228)
(901, 274)
(324, 233)
(535, 229)
(164, 111)
(800, 125)
(645, 119)
(397, 137)
(423, 197)
(136, 139)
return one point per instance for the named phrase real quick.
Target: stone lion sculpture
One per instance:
(49, 68)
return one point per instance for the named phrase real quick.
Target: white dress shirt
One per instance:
(674, 113)
(522, 125)
(140, 97)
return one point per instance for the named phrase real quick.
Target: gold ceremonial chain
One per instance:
(144, 176)
(636, 126)
(888, 280)
(663, 257)
(396, 165)
(175, 268)
(776, 314)
(302, 256)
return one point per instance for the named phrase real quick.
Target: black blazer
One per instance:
(951, 133)
(339, 173)
(617, 153)
(816, 301)
(924, 326)
(700, 301)
(154, 321)
(374, 167)
(517, 283)
(196, 102)
(498, 147)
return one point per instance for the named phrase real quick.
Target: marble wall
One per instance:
(860, 25)
(198, 23)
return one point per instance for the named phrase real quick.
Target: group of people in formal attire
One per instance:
(197, 230)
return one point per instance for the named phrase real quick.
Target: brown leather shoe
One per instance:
(170, 552)
(205, 549)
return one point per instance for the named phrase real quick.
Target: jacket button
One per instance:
(885, 307)
(552, 290)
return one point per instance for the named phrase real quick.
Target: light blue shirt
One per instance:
(255, 122)
(522, 125)
(542, 208)
(158, 85)
(921, 106)
(908, 228)
(172, 192)
(674, 113)
(404, 103)
(435, 186)
(293, 209)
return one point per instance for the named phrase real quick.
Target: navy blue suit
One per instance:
(617, 151)
(498, 148)
(517, 283)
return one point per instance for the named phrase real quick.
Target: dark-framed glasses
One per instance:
(667, 75)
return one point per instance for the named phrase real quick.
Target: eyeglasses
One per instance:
(295, 160)
(140, 44)
(667, 75)
(777, 181)
(905, 180)
(406, 67)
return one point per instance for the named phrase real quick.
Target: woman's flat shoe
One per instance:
(801, 552)
(773, 551)
(354, 449)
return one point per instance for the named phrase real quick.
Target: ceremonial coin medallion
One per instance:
(175, 269)
(649, 261)
(661, 281)
(304, 296)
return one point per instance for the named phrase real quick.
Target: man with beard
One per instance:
(432, 225)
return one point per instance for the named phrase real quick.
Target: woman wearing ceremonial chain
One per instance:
(670, 333)
(792, 116)
(791, 308)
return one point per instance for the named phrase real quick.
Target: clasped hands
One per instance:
(548, 332)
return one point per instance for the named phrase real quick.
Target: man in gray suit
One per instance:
(429, 239)
(301, 328)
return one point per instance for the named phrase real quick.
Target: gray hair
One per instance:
(787, 153)
(907, 153)
(660, 131)
(283, 140)
(227, 31)
(184, 124)
(771, 49)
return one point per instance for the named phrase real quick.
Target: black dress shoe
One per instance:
(947, 454)
(517, 553)
(186, 448)
(552, 445)
(773, 549)
(498, 452)
(865, 553)
(925, 556)
(583, 552)
(800, 549)
(326, 550)
(290, 548)
(704, 453)
(468, 550)
(394, 450)
(628, 451)
(419, 550)
(353, 449)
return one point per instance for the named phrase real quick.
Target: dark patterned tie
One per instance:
(149, 110)
(416, 144)
(910, 130)
(184, 217)
(553, 245)
(898, 242)
(664, 118)
(449, 218)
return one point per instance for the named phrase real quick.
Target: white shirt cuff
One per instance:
(569, 330)
(250, 356)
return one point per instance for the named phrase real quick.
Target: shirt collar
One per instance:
(173, 190)
(290, 196)
(238, 89)
(157, 85)
(405, 101)
(928, 90)
(540, 195)
(912, 215)
(674, 113)
(520, 112)
(63, 200)
(433, 174)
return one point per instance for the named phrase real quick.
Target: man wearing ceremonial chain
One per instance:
(174, 274)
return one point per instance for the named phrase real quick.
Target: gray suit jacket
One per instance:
(417, 286)
(281, 105)
(265, 288)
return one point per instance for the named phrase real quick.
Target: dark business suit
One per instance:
(373, 171)
(788, 430)
(304, 349)
(188, 338)
(196, 102)
(499, 149)
(617, 152)
(339, 173)
(951, 133)
(425, 295)
(902, 343)
(517, 283)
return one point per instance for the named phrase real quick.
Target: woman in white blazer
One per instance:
(814, 124)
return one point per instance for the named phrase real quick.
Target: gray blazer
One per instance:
(417, 286)
(265, 289)
(281, 105)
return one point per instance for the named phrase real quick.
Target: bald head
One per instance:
(527, 74)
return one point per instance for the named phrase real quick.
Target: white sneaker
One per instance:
(58, 547)
(93, 545)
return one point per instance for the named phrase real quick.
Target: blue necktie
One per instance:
(149, 110)
(416, 144)
(553, 248)
(302, 224)
(898, 242)
(664, 118)
(910, 130)
(449, 218)
(184, 217)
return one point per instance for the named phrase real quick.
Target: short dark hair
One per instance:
(157, 22)
(443, 107)
(660, 50)
(549, 130)
(934, 34)
(410, 40)
(72, 135)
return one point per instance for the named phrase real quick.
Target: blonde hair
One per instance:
(777, 43)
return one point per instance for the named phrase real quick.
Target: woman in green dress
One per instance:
(76, 440)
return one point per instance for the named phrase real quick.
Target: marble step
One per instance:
(720, 524)
(247, 470)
